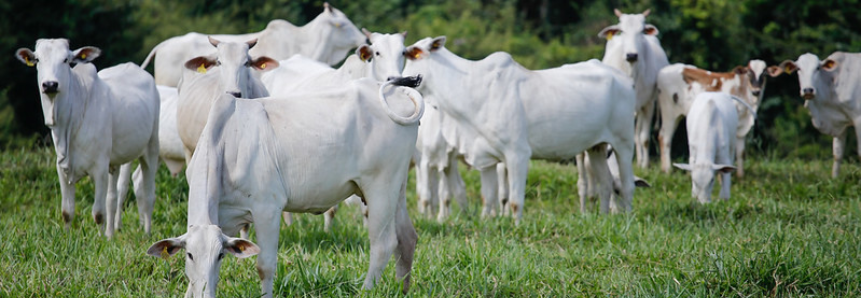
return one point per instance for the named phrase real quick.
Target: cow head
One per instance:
(339, 34)
(419, 53)
(205, 247)
(756, 74)
(385, 54)
(629, 34)
(703, 178)
(53, 61)
(234, 62)
(814, 76)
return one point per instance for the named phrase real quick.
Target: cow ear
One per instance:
(609, 32)
(682, 166)
(650, 30)
(365, 53)
(86, 54)
(740, 70)
(829, 65)
(774, 71)
(640, 182)
(241, 248)
(264, 63)
(723, 168)
(788, 66)
(437, 43)
(167, 247)
(413, 53)
(26, 56)
(200, 64)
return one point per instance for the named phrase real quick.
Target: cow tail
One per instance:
(414, 95)
(746, 105)
(149, 57)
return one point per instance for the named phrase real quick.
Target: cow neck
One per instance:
(70, 113)
(205, 183)
(455, 66)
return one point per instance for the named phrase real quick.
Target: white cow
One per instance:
(380, 60)
(517, 114)
(436, 160)
(830, 89)
(712, 123)
(301, 153)
(170, 145)
(633, 47)
(227, 71)
(679, 84)
(328, 39)
(99, 122)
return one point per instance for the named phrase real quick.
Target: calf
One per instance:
(301, 153)
(679, 84)
(712, 123)
(830, 89)
(99, 122)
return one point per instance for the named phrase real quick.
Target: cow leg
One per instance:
(489, 191)
(518, 169)
(407, 239)
(383, 203)
(601, 173)
(502, 173)
(837, 148)
(739, 156)
(145, 186)
(444, 196)
(67, 191)
(582, 183)
(642, 127)
(122, 191)
(111, 201)
(328, 217)
(426, 187)
(288, 217)
(669, 123)
(725, 184)
(101, 179)
(624, 160)
(456, 186)
(267, 225)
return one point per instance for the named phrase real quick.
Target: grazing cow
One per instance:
(301, 153)
(633, 48)
(328, 39)
(227, 71)
(380, 60)
(712, 124)
(830, 89)
(99, 122)
(516, 114)
(679, 84)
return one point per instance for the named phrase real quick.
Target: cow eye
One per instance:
(65, 60)
(190, 257)
(220, 256)
(378, 53)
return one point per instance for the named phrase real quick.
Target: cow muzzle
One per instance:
(808, 93)
(50, 87)
(631, 57)
(756, 92)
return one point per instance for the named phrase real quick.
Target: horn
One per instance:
(617, 12)
(646, 13)
(326, 6)
(367, 33)
(251, 43)
(214, 42)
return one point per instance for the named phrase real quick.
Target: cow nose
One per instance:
(631, 57)
(50, 86)
(807, 90)
(236, 94)
(755, 93)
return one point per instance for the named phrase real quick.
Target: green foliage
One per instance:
(786, 232)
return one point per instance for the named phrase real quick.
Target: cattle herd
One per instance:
(267, 126)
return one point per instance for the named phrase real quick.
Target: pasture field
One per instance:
(788, 231)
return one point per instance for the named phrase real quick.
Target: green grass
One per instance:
(788, 231)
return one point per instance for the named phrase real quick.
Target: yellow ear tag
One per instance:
(164, 254)
(263, 66)
(610, 35)
(787, 69)
(202, 68)
(242, 248)
(83, 56)
(28, 62)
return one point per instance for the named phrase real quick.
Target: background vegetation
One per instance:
(711, 34)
